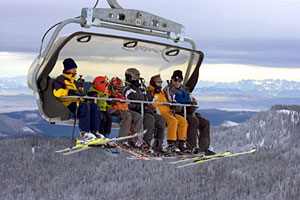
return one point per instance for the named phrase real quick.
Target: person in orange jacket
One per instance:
(176, 124)
(120, 108)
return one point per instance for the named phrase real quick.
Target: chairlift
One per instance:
(99, 53)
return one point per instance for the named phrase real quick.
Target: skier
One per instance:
(176, 124)
(134, 91)
(176, 92)
(98, 89)
(88, 114)
(131, 121)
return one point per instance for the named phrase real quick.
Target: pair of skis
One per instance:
(94, 143)
(201, 159)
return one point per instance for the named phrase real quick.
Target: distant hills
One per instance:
(252, 95)
(30, 122)
(247, 94)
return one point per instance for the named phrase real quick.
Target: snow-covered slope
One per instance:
(279, 125)
(10, 127)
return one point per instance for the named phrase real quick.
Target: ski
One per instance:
(85, 147)
(136, 154)
(225, 155)
(196, 157)
(95, 142)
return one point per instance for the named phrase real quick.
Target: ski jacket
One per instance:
(103, 105)
(159, 97)
(61, 86)
(132, 92)
(180, 95)
(117, 105)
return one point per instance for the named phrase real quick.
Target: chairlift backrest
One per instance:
(102, 54)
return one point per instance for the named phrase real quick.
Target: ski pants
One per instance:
(176, 126)
(151, 121)
(88, 115)
(105, 124)
(198, 122)
(131, 122)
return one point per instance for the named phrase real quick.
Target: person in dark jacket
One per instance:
(176, 92)
(88, 114)
(134, 90)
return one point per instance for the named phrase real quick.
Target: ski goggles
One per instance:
(158, 80)
(116, 88)
(135, 77)
(102, 82)
(177, 80)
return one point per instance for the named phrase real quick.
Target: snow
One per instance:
(262, 123)
(262, 142)
(229, 124)
(248, 135)
(31, 116)
(286, 111)
(26, 129)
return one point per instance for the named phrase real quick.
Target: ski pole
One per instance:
(76, 112)
(125, 122)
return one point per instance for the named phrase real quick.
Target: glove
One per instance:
(92, 94)
(191, 102)
(115, 101)
(173, 107)
(77, 92)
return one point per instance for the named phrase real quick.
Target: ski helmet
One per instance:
(132, 74)
(115, 83)
(100, 83)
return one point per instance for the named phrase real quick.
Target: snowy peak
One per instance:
(271, 87)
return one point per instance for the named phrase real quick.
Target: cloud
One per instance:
(267, 53)
(15, 63)
(252, 32)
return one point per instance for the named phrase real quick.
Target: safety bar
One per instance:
(135, 101)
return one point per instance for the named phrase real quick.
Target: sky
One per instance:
(249, 39)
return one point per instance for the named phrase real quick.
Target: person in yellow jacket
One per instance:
(88, 114)
(176, 124)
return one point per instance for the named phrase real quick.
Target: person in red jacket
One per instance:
(131, 121)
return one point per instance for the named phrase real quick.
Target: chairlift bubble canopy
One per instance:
(99, 54)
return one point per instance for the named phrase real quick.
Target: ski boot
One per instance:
(158, 149)
(172, 148)
(208, 152)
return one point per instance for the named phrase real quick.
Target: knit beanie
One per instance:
(69, 63)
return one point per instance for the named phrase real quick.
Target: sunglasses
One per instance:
(177, 80)
(158, 81)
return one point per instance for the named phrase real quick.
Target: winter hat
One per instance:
(177, 74)
(155, 79)
(69, 63)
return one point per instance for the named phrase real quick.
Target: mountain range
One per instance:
(266, 87)
(252, 95)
